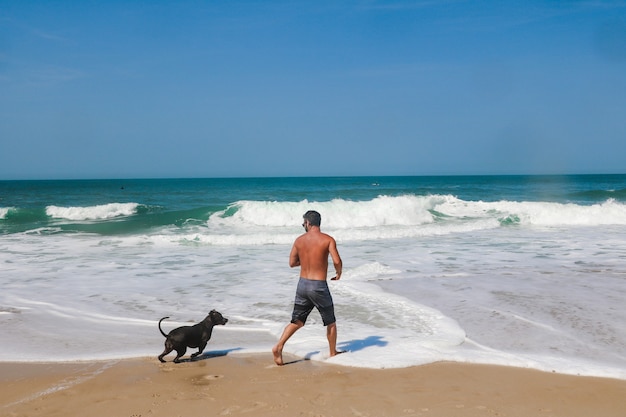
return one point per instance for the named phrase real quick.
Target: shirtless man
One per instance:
(310, 252)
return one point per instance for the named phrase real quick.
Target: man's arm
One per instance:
(294, 259)
(337, 263)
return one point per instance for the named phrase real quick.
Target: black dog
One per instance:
(195, 336)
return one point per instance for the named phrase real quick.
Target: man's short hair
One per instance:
(313, 217)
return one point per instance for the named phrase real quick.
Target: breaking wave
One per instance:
(262, 222)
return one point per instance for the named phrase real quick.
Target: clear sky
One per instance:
(125, 89)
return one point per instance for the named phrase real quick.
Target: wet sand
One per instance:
(252, 385)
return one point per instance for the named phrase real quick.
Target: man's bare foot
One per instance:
(337, 353)
(278, 355)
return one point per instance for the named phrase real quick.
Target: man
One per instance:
(310, 252)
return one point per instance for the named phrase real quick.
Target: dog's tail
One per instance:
(161, 330)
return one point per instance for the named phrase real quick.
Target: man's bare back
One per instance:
(310, 251)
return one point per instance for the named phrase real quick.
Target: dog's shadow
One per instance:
(211, 354)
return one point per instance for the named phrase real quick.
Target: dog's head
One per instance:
(217, 318)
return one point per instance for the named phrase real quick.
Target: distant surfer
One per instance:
(310, 252)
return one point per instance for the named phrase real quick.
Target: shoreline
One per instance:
(251, 384)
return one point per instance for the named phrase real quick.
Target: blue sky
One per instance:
(125, 89)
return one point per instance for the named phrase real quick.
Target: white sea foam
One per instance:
(410, 210)
(425, 279)
(4, 211)
(338, 214)
(260, 223)
(542, 213)
(99, 212)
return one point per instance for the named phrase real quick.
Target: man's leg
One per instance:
(287, 333)
(331, 334)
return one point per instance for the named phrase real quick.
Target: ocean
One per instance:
(526, 271)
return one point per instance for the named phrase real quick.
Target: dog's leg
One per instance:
(180, 352)
(168, 348)
(200, 350)
(165, 352)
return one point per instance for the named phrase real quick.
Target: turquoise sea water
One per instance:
(519, 270)
(137, 206)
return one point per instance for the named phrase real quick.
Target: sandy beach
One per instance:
(252, 385)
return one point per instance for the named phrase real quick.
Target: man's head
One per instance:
(313, 218)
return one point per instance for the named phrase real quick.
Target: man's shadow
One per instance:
(360, 344)
(349, 346)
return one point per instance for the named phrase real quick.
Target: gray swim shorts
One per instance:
(312, 293)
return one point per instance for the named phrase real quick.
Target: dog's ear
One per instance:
(213, 311)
